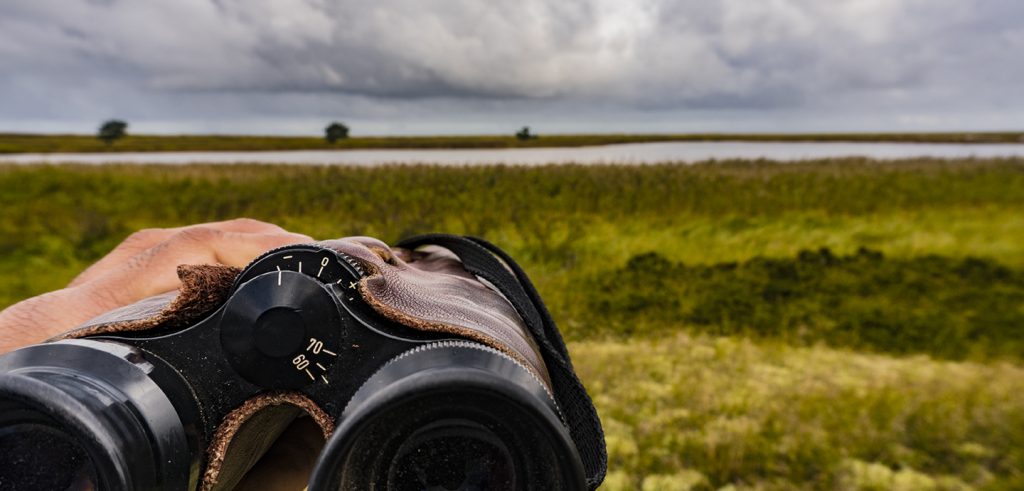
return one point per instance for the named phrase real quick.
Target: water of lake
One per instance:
(635, 153)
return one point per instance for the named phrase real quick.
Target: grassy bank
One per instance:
(703, 413)
(40, 143)
(840, 324)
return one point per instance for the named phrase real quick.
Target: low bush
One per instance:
(946, 307)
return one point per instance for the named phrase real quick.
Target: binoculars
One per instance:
(397, 363)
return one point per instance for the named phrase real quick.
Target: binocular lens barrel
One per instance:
(40, 455)
(81, 415)
(452, 415)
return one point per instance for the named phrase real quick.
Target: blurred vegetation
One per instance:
(334, 132)
(524, 134)
(46, 143)
(948, 308)
(719, 312)
(700, 413)
(111, 131)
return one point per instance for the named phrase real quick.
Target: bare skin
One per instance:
(143, 265)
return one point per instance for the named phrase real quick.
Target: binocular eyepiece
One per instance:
(194, 406)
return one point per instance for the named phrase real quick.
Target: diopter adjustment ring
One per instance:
(281, 330)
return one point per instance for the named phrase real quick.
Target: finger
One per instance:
(236, 249)
(148, 273)
(154, 270)
(133, 244)
(39, 318)
(144, 239)
(245, 225)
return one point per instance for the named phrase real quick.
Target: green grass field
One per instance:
(41, 143)
(839, 325)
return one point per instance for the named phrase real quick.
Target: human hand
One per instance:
(143, 265)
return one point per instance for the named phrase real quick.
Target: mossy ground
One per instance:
(840, 324)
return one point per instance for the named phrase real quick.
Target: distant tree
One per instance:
(524, 134)
(112, 130)
(335, 131)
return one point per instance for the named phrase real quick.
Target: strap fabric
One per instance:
(489, 262)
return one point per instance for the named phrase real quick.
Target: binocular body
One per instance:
(194, 406)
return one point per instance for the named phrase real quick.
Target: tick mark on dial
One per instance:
(323, 264)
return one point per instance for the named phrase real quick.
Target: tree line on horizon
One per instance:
(115, 129)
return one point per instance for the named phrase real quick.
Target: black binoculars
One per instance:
(194, 406)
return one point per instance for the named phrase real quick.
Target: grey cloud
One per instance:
(246, 56)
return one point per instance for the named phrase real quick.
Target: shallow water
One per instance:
(634, 153)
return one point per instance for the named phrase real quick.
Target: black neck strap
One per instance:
(487, 261)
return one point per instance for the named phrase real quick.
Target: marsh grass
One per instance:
(696, 412)
(644, 266)
(947, 308)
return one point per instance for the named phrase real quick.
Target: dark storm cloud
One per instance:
(195, 59)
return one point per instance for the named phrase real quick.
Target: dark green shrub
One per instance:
(946, 307)
(335, 131)
(112, 130)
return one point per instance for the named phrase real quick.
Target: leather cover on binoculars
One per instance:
(427, 289)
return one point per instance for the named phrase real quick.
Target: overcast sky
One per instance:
(470, 66)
